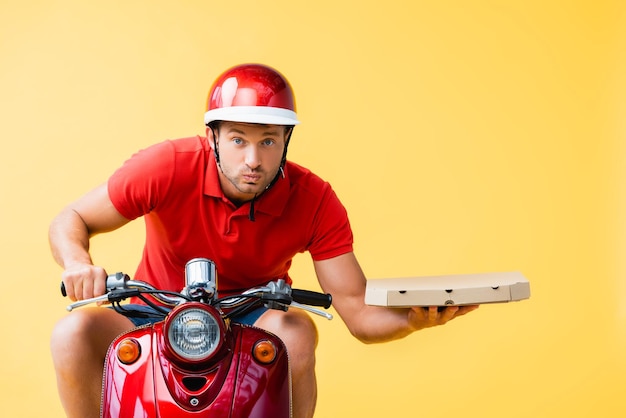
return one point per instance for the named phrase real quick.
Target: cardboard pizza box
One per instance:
(460, 289)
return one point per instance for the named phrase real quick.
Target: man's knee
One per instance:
(295, 328)
(86, 332)
(67, 330)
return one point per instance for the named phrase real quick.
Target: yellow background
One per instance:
(462, 136)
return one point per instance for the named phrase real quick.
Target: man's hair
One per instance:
(216, 124)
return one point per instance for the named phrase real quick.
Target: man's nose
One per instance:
(253, 159)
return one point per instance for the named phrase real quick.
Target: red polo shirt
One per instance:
(175, 186)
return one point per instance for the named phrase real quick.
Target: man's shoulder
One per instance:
(304, 177)
(189, 144)
(307, 184)
(171, 147)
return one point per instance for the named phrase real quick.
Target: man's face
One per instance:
(250, 156)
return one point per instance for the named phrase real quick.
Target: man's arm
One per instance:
(343, 278)
(69, 236)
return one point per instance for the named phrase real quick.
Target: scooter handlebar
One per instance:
(308, 297)
(299, 297)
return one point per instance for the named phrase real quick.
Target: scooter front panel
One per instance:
(124, 391)
(262, 390)
(236, 386)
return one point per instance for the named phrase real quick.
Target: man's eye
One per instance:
(269, 142)
(237, 141)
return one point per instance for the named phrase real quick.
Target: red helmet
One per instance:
(252, 93)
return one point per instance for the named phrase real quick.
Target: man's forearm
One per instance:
(69, 239)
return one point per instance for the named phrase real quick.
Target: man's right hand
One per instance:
(83, 281)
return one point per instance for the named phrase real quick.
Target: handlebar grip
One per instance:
(113, 281)
(308, 297)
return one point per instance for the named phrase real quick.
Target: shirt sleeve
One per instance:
(332, 235)
(142, 181)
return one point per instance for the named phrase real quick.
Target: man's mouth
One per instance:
(251, 178)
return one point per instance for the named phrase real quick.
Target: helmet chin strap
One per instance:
(217, 153)
(251, 213)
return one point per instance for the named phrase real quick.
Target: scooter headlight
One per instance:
(194, 333)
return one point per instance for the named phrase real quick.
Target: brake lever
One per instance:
(78, 304)
(117, 295)
(312, 310)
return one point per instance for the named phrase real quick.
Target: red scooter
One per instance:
(196, 362)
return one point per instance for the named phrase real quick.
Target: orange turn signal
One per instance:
(128, 350)
(264, 351)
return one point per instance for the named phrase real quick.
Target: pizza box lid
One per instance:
(459, 289)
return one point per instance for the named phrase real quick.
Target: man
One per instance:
(231, 197)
